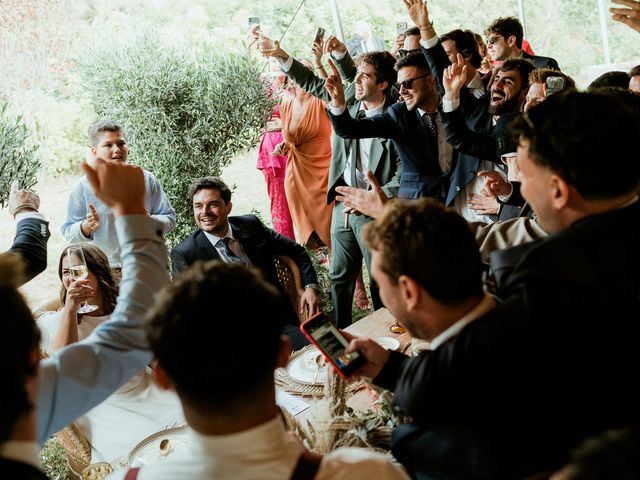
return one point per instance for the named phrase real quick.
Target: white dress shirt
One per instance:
(265, 452)
(445, 151)
(21, 451)
(234, 245)
(364, 149)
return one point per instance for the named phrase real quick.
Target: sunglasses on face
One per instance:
(407, 84)
(493, 40)
(403, 53)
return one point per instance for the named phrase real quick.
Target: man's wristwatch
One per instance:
(311, 285)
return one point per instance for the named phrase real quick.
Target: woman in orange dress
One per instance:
(306, 130)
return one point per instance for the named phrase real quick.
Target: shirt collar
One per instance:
(214, 239)
(21, 451)
(476, 82)
(483, 307)
(372, 111)
(271, 436)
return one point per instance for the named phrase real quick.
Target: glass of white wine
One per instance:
(79, 271)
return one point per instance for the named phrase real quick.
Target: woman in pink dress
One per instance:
(273, 167)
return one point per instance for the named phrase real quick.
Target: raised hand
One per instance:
(369, 202)
(332, 44)
(269, 47)
(93, 218)
(398, 44)
(317, 50)
(333, 84)
(630, 15)
(494, 184)
(78, 291)
(454, 78)
(21, 200)
(419, 13)
(119, 185)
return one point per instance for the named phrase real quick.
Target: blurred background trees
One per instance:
(45, 44)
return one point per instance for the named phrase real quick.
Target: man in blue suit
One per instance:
(413, 126)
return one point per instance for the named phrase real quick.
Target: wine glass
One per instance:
(79, 271)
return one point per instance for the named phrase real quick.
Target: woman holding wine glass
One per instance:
(139, 408)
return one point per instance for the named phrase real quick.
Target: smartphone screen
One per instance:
(254, 21)
(319, 35)
(325, 335)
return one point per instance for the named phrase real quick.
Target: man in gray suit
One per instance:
(367, 94)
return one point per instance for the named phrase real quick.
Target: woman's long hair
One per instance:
(98, 264)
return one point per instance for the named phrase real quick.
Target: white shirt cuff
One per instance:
(450, 105)
(505, 198)
(338, 56)
(23, 215)
(432, 42)
(286, 66)
(336, 110)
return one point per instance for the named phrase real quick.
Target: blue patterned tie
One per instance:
(231, 256)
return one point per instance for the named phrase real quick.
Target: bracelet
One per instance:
(311, 285)
(24, 208)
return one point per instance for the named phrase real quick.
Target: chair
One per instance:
(291, 282)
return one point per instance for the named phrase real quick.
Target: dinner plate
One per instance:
(309, 367)
(159, 446)
(388, 343)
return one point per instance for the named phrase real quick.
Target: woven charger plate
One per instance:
(302, 378)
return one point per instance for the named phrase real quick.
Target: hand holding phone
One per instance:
(254, 22)
(319, 36)
(554, 85)
(321, 331)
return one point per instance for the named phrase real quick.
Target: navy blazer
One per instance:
(260, 244)
(541, 62)
(421, 172)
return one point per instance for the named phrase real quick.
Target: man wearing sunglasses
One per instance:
(504, 41)
(413, 126)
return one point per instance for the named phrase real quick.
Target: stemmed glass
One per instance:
(79, 271)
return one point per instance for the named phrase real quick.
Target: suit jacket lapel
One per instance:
(244, 237)
(208, 251)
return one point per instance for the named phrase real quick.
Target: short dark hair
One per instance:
(103, 125)
(210, 182)
(611, 79)
(540, 75)
(413, 59)
(20, 338)
(207, 370)
(573, 133)
(431, 244)
(382, 63)
(613, 454)
(466, 44)
(413, 31)
(635, 71)
(523, 67)
(507, 26)
(98, 264)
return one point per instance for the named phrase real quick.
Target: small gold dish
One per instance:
(97, 471)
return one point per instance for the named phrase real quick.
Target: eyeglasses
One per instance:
(493, 40)
(403, 53)
(407, 84)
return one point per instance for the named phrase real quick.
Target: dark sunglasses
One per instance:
(403, 53)
(493, 40)
(407, 84)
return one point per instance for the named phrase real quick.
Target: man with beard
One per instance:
(555, 362)
(369, 93)
(479, 111)
(413, 126)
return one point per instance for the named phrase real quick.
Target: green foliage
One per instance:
(17, 158)
(186, 112)
(54, 460)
